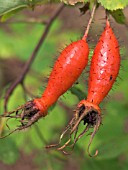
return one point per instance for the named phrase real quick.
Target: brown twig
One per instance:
(27, 66)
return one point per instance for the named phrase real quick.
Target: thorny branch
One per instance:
(28, 64)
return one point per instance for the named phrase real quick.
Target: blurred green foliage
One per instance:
(111, 140)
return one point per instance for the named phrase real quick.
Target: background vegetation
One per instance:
(26, 149)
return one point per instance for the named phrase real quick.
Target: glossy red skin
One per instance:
(105, 66)
(66, 71)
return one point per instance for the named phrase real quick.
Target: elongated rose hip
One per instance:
(105, 66)
(66, 71)
(104, 69)
(64, 74)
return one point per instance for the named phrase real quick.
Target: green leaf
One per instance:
(10, 14)
(9, 152)
(11, 5)
(113, 4)
(113, 148)
(118, 15)
(7, 5)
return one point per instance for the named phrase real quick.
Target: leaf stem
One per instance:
(89, 22)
